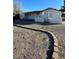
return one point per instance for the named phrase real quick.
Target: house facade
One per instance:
(49, 15)
(63, 13)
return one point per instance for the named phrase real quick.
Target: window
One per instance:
(63, 15)
(50, 14)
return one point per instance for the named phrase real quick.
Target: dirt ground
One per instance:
(29, 44)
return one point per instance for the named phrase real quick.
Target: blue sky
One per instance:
(31, 5)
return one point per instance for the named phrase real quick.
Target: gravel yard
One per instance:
(29, 44)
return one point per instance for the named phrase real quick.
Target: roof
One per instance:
(41, 10)
(51, 8)
(62, 10)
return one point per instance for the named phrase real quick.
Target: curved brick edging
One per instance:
(56, 47)
(53, 49)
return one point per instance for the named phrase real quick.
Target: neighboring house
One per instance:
(63, 13)
(49, 15)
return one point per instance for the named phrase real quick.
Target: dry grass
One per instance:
(24, 38)
(29, 44)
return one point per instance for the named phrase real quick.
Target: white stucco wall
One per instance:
(50, 15)
(53, 16)
(39, 20)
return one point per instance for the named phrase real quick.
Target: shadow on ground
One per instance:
(30, 21)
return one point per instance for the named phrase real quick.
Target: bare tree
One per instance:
(63, 7)
(16, 7)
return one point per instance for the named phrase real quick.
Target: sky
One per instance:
(33, 5)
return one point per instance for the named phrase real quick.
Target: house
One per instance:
(48, 15)
(63, 13)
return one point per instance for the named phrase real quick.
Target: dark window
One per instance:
(63, 15)
(37, 13)
(63, 19)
